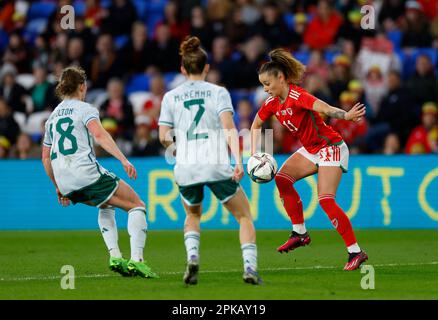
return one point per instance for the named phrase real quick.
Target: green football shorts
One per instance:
(96, 193)
(224, 190)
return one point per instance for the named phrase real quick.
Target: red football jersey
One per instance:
(297, 115)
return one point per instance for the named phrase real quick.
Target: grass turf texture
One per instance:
(405, 264)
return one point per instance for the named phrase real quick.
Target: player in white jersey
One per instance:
(201, 116)
(69, 160)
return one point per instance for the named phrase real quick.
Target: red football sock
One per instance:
(290, 198)
(338, 218)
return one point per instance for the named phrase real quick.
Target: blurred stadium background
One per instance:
(129, 49)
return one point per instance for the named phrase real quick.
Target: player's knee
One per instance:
(326, 201)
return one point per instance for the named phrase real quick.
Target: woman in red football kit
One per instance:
(323, 150)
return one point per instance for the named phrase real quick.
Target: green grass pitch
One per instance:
(405, 265)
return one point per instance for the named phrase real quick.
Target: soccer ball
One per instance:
(262, 167)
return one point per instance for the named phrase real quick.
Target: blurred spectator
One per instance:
(340, 75)
(199, 27)
(59, 47)
(272, 27)
(165, 50)
(178, 27)
(391, 144)
(236, 29)
(318, 87)
(43, 92)
(249, 11)
(9, 128)
(13, 93)
(391, 12)
(220, 59)
(217, 12)
(25, 148)
(137, 52)
(244, 115)
(423, 84)
(118, 107)
(4, 147)
(76, 55)
(424, 138)
(321, 31)
(375, 88)
(317, 65)
(106, 64)
(119, 18)
(297, 34)
(352, 132)
(396, 108)
(415, 26)
(351, 29)
(214, 76)
(85, 34)
(152, 105)
(144, 144)
(93, 14)
(40, 52)
(17, 53)
(7, 9)
(245, 73)
(355, 86)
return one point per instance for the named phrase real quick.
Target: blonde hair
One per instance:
(282, 61)
(194, 58)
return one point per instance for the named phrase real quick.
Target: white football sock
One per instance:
(108, 228)
(353, 248)
(137, 229)
(191, 241)
(299, 228)
(249, 253)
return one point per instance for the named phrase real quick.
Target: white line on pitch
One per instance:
(222, 271)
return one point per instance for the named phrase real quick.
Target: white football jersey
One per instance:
(192, 110)
(71, 146)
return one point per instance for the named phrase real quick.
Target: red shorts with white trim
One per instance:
(329, 156)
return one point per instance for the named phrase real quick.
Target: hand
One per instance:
(238, 173)
(130, 169)
(356, 113)
(61, 199)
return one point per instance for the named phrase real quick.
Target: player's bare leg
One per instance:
(328, 182)
(295, 168)
(192, 233)
(239, 208)
(127, 199)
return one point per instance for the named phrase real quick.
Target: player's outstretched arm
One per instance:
(103, 138)
(355, 113)
(256, 133)
(232, 137)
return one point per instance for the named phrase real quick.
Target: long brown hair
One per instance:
(194, 57)
(71, 78)
(282, 61)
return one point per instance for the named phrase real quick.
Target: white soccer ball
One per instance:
(262, 167)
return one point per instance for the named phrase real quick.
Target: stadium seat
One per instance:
(4, 40)
(121, 41)
(302, 56)
(34, 28)
(395, 37)
(169, 77)
(156, 6)
(137, 100)
(141, 7)
(79, 7)
(151, 21)
(329, 56)
(138, 82)
(35, 122)
(105, 3)
(408, 59)
(289, 20)
(39, 10)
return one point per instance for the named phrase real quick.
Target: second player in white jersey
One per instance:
(193, 110)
